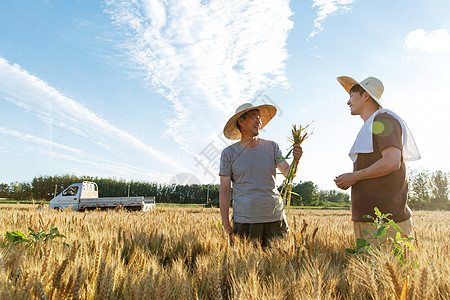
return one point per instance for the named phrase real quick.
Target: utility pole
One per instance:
(207, 195)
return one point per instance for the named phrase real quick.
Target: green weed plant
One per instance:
(34, 239)
(382, 222)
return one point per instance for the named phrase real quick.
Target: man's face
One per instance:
(356, 102)
(251, 125)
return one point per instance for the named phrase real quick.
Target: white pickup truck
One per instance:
(82, 196)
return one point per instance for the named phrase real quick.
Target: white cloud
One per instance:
(433, 41)
(206, 57)
(326, 8)
(36, 96)
(67, 153)
(44, 142)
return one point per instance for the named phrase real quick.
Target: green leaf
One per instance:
(351, 251)
(381, 232)
(377, 212)
(411, 247)
(395, 225)
(398, 247)
(15, 237)
(60, 235)
(365, 232)
(361, 243)
(289, 153)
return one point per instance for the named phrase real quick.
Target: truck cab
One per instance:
(70, 197)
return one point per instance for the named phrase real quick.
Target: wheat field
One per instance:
(183, 253)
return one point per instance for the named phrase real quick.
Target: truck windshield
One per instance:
(71, 191)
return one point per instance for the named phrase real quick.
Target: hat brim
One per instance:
(348, 82)
(266, 111)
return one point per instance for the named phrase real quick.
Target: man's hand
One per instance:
(297, 152)
(389, 162)
(344, 181)
(229, 230)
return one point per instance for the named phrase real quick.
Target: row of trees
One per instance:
(46, 187)
(427, 190)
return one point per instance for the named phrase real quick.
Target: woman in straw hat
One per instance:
(379, 153)
(250, 165)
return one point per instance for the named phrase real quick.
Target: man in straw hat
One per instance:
(250, 165)
(379, 153)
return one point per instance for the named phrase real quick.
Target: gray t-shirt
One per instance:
(253, 173)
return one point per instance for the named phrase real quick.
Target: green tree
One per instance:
(5, 191)
(308, 192)
(419, 189)
(439, 190)
(44, 187)
(333, 197)
(20, 191)
(112, 187)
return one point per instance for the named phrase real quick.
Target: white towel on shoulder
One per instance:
(364, 141)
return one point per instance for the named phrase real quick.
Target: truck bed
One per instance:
(128, 202)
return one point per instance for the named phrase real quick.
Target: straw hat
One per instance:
(266, 111)
(371, 85)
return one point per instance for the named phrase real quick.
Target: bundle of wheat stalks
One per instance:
(298, 136)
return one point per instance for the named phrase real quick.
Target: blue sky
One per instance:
(141, 90)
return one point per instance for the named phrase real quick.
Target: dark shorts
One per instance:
(263, 232)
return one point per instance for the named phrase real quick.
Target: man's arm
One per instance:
(389, 162)
(224, 203)
(283, 167)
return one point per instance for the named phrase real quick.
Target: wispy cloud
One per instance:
(326, 8)
(40, 141)
(432, 41)
(206, 57)
(67, 153)
(36, 96)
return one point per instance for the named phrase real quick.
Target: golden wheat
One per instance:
(179, 253)
(394, 279)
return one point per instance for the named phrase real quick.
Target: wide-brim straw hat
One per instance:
(266, 111)
(371, 85)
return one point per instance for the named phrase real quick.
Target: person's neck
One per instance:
(249, 142)
(365, 115)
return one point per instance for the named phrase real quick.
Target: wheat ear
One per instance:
(394, 278)
(317, 285)
(39, 292)
(77, 284)
(422, 292)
